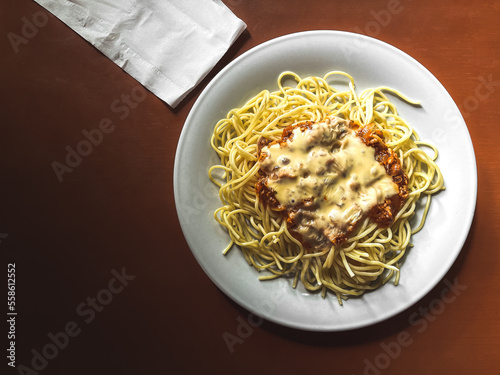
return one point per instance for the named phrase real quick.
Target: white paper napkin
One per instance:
(167, 45)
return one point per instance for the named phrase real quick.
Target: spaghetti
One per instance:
(371, 254)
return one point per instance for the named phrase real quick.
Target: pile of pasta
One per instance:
(372, 255)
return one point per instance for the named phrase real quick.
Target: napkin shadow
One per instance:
(226, 59)
(377, 332)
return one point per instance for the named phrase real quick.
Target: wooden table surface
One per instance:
(105, 281)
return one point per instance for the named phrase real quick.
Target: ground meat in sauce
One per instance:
(301, 212)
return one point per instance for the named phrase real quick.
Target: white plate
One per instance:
(372, 63)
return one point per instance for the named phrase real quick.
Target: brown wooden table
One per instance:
(105, 282)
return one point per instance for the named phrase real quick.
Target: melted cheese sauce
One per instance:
(333, 171)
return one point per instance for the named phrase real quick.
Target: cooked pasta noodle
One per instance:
(371, 255)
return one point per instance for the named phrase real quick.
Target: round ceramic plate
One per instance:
(372, 63)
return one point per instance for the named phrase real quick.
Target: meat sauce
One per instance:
(325, 177)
